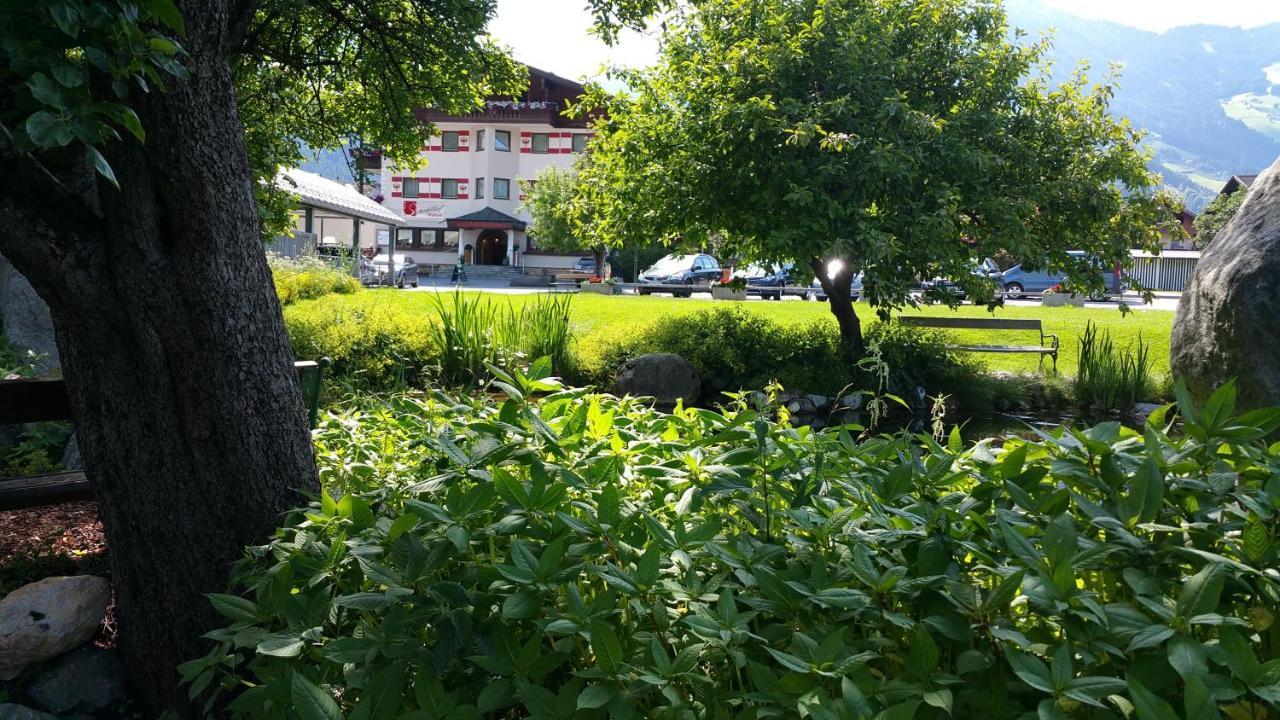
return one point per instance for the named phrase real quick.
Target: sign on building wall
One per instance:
(431, 211)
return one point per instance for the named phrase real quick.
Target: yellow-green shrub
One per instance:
(307, 278)
(371, 346)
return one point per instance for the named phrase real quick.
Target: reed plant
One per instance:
(473, 332)
(1110, 378)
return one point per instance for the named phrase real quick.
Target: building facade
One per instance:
(465, 201)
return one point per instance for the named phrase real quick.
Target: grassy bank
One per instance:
(596, 318)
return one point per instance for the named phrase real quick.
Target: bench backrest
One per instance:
(957, 323)
(26, 401)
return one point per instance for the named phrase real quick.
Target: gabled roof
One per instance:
(1236, 182)
(321, 192)
(485, 219)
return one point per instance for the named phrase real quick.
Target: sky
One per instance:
(553, 34)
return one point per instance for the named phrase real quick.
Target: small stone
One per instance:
(47, 618)
(86, 680)
(11, 711)
(820, 402)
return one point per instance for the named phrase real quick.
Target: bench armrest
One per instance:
(1046, 336)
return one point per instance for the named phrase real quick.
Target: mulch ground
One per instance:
(64, 539)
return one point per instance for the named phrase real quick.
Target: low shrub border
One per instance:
(578, 556)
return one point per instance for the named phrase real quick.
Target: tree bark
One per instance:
(189, 416)
(840, 297)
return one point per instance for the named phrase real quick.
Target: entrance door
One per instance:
(491, 248)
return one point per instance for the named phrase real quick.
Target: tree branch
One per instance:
(41, 218)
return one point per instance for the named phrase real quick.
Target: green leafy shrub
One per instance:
(736, 349)
(385, 347)
(308, 278)
(577, 556)
(371, 347)
(1109, 377)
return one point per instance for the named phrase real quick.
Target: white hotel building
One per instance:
(465, 201)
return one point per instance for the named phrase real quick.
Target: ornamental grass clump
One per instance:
(1109, 377)
(473, 333)
(561, 554)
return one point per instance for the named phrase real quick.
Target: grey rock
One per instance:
(85, 680)
(71, 456)
(1229, 314)
(852, 401)
(666, 377)
(47, 618)
(12, 711)
(26, 319)
(820, 402)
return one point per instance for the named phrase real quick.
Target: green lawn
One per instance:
(594, 315)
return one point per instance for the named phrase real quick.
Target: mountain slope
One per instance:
(1209, 95)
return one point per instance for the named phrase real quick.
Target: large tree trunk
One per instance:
(839, 294)
(191, 425)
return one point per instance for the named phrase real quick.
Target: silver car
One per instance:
(377, 272)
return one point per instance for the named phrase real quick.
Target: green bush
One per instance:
(372, 347)
(578, 556)
(1110, 378)
(308, 278)
(376, 347)
(736, 349)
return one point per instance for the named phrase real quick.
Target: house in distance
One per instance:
(465, 202)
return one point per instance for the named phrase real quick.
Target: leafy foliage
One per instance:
(72, 67)
(382, 347)
(575, 556)
(905, 138)
(1214, 218)
(549, 202)
(736, 349)
(308, 278)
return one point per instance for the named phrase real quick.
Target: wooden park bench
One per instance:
(565, 286)
(1048, 346)
(46, 400)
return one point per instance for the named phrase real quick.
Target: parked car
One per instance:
(816, 291)
(377, 272)
(761, 279)
(585, 265)
(1019, 282)
(986, 268)
(698, 269)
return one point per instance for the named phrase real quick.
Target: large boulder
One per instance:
(85, 680)
(26, 319)
(665, 377)
(47, 618)
(10, 711)
(1228, 318)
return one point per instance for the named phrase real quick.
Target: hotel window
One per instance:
(541, 143)
(501, 189)
(446, 239)
(502, 140)
(449, 189)
(479, 140)
(479, 188)
(409, 188)
(449, 141)
(579, 142)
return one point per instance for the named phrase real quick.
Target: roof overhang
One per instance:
(325, 194)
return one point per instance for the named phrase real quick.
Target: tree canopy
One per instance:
(550, 199)
(905, 138)
(1215, 216)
